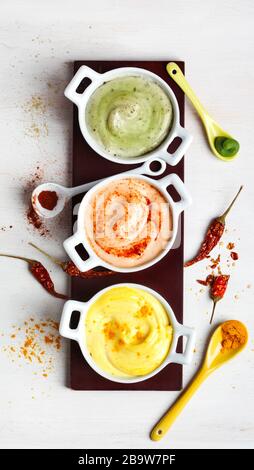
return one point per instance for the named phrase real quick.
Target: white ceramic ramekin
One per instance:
(80, 237)
(97, 79)
(79, 334)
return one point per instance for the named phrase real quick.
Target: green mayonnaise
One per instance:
(129, 116)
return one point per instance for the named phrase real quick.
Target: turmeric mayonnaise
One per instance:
(128, 332)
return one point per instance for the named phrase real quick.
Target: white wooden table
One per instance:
(38, 42)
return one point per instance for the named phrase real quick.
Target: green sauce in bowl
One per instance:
(129, 116)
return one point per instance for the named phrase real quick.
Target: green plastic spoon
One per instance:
(222, 144)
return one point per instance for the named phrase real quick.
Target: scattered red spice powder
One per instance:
(34, 220)
(35, 178)
(32, 217)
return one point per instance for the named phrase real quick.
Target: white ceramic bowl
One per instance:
(79, 334)
(80, 236)
(97, 79)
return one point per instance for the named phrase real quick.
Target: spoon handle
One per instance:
(163, 425)
(176, 74)
(144, 169)
(82, 188)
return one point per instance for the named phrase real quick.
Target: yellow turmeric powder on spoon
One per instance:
(234, 335)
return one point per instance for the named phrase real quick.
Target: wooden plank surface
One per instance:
(166, 277)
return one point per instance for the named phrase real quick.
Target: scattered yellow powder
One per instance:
(37, 130)
(35, 343)
(144, 311)
(35, 103)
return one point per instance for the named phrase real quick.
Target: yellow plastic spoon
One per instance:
(223, 145)
(214, 358)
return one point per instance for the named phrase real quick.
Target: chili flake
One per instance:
(234, 255)
(230, 246)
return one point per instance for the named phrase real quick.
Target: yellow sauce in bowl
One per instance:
(128, 332)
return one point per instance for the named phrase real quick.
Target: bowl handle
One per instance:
(69, 307)
(70, 248)
(186, 356)
(174, 180)
(83, 72)
(174, 158)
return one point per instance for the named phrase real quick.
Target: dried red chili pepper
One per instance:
(213, 235)
(218, 289)
(208, 281)
(41, 274)
(202, 282)
(70, 268)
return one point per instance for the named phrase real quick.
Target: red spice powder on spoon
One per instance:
(48, 199)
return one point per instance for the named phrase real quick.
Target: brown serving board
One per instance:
(166, 277)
